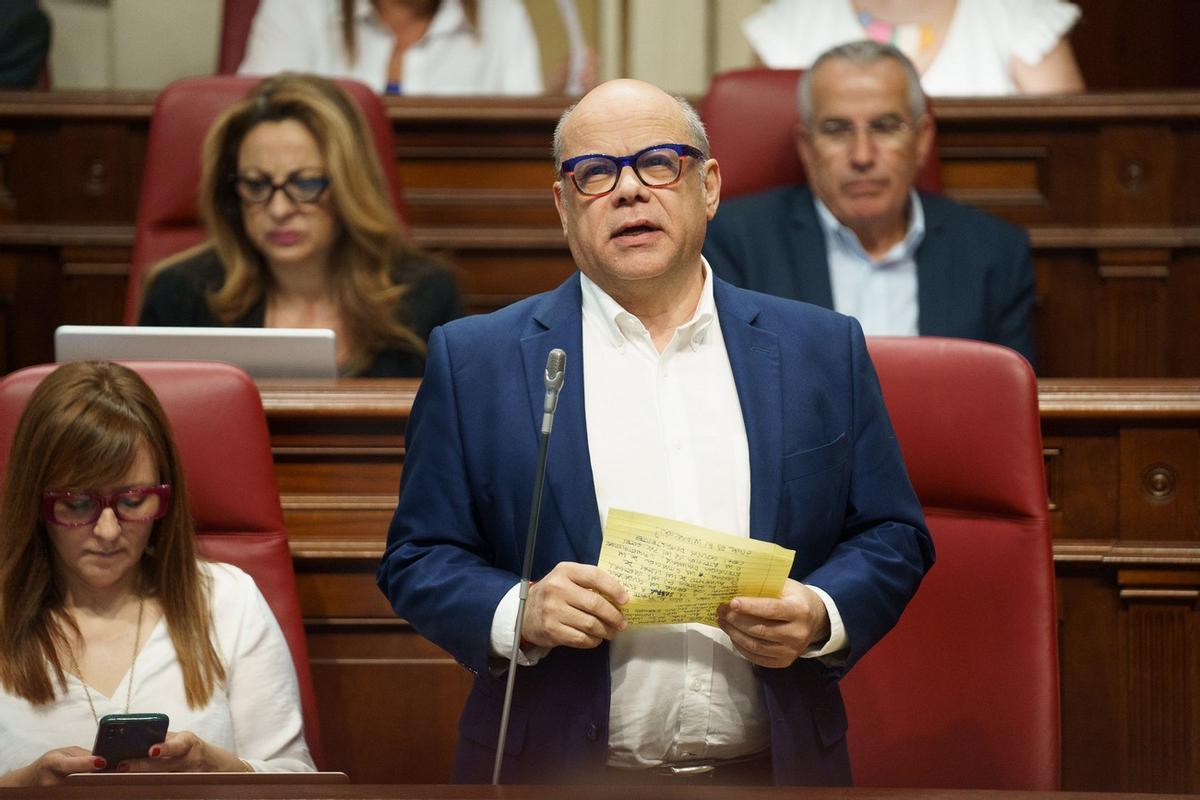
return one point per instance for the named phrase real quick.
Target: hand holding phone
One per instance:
(121, 737)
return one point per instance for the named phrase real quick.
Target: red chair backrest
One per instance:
(167, 219)
(236, 18)
(218, 422)
(751, 117)
(963, 693)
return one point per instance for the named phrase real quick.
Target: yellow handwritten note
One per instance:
(676, 572)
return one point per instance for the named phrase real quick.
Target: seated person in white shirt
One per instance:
(859, 238)
(408, 47)
(684, 397)
(105, 607)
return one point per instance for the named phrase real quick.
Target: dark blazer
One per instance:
(826, 480)
(24, 42)
(974, 271)
(177, 296)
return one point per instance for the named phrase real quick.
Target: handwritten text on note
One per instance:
(676, 572)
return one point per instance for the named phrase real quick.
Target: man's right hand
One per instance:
(574, 605)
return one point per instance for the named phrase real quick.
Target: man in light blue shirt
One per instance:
(859, 238)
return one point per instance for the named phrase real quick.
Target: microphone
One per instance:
(556, 362)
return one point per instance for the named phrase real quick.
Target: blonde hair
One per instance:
(370, 243)
(83, 427)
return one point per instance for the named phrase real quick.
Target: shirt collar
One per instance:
(621, 327)
(848, 239)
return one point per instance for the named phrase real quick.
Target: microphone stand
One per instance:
(555, 364)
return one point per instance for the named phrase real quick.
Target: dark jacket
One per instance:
(24, 43)
(177, 297)
(974, 271)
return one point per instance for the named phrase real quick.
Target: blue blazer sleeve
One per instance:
(827, 476)
(437, 568)
(885, 548)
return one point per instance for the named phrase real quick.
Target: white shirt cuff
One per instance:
(504, 623)
(837, 630)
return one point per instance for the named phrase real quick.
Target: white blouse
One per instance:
(975, 57)
(497, 57)
(255, 714)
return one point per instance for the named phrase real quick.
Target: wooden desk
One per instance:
(1123, 471)
(446, 792)
(1105, 184)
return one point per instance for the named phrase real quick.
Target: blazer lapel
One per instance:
(569, 490)
(935, 277)
(755, 361)
(813, 284)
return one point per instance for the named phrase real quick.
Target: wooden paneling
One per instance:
(1158, 493)
(1122, 463)
(1105, 184)
(1082, 474)
(1159, 644)
(388, 699)
(1124, 45)
(1091, 694)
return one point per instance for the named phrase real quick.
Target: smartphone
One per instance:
(121, 737)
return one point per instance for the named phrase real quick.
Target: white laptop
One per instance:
(261, 352)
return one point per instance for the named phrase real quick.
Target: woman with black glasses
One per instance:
(303, 235)
(105, 607)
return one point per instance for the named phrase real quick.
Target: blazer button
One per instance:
(592, 732)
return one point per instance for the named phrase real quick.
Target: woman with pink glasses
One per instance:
(106, 608)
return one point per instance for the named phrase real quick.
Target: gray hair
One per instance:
(691, 119)
(862, 53)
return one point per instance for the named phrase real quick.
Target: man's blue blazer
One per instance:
(974, 271)
(827, 480)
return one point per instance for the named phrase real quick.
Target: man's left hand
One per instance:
(775, 631)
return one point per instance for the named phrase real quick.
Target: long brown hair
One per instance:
(83, 427)
(427, 7)
(370, 244)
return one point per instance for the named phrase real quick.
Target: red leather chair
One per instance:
(217, 419)
(751, 118)
(963, 693)
(236, 18)
(167, 220)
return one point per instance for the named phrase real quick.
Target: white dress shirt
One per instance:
(254, 714)
(498, 56)
(666, 437)
(880, 293)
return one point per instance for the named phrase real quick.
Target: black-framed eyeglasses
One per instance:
(657, 166)
(76, 509)
(300, 187)
(885, 131)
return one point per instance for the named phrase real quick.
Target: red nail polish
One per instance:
(122, 768)
(99, 762)
(154, 751)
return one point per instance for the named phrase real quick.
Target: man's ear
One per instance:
(926, 128)
(803, 143)
(712, 186)
(559, 203)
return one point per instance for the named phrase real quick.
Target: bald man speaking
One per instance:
(684, 398)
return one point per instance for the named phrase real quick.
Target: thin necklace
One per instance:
(137, 640)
